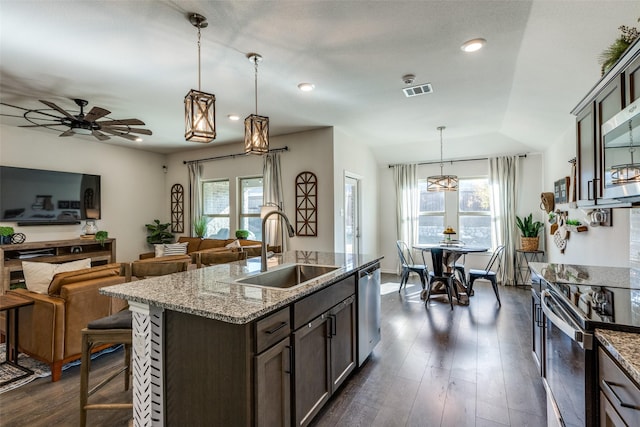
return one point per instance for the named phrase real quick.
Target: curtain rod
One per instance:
(452, 161)
(231, 156)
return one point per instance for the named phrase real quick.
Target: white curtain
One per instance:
(503, 180)
(195, 193)
(272, 195)
(407, 195)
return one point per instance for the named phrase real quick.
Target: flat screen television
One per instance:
(44, 197)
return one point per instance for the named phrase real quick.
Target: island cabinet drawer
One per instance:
(315, 304)
(272, 329)
(620, 391)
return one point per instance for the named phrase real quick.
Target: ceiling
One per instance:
(138, 59)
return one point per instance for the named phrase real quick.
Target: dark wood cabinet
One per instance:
(343, 335)
(273, 386)
(619, 395)
(586, 153)
(538, 322)
(632, 81)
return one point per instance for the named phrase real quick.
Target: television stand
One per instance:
(54, 251)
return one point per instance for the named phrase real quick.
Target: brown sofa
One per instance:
(49, 330)
(197, 245)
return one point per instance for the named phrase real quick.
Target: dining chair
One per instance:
(489, 273)
(409, 265)
(117, 329)
(439, 275)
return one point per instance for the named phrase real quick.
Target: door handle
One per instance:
(276, 328)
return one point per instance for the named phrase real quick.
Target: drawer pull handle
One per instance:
(276, 328)
(607, 385)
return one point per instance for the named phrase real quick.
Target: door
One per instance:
(312, 360)
(273, 386)
(352, 214)
(343, 341)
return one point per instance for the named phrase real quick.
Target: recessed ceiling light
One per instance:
(306, 87)
(473, 45)
(234, 117)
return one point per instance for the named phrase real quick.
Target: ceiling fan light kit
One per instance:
(199, 107)
(256, 128)
(442, 182)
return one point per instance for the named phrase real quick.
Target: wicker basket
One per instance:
(529, 244)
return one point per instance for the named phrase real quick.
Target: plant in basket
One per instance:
(529, 230)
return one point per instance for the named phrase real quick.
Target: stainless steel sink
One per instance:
(289, 276)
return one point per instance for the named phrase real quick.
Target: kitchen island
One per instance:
(209, 350)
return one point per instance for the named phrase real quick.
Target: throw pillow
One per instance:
(234, 245)
(173, 249)
(38, 275)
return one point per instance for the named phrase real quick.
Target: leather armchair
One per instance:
(49, 329)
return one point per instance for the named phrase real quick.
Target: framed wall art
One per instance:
(561, 190)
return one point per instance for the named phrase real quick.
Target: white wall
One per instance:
(531, 179)
(132, 183)
(602, 246)
(308, 151)
(357, 160)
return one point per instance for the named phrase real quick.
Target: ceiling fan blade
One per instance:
(55, 107)
(69, 132)
(14, 106)
(121, 134)
(125, 122)
(95, 114)
(99, 135)
(129, 130)
(46, 125)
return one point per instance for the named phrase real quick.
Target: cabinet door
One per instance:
(312, 385)
(273, 386)
(537, 325)
(586, 153)
(608, 103)
(632, 74)
(343, 341)
(608, 415)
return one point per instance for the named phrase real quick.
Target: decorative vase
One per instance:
(529, 244)
(90, 227)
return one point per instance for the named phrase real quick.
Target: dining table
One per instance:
(451, 253)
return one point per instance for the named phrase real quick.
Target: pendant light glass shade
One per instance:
(628, 172)
(256, 128)
(199, 107)
(442, 182)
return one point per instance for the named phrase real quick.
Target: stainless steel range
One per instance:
(575, 301)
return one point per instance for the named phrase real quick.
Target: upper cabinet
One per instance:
(618, 87)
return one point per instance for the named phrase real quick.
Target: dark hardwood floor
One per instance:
(434, 367)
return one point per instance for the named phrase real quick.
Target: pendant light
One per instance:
(256, 128)
(442, 182)
(628, 172)
(199, 107)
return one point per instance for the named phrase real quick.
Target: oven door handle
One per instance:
(584, 339)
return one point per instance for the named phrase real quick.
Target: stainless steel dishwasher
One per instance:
(368, 311)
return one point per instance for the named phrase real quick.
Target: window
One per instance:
(468, 211)
(215, 206)
(249, 209)
(431, 215)
(474, 212)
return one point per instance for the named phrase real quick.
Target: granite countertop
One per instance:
(625, 348)
(587, 275)
(213, 292)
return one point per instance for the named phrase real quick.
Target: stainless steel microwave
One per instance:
(621, 153)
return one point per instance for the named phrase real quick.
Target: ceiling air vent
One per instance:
(422, 89)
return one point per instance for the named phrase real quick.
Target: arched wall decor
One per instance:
(177, 208)
(306, 204)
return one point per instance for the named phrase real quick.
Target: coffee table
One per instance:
(11, 304)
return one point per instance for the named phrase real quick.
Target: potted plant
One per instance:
(101, 237)
(158, 233)
(5, 235)
(242, 234)
(200, 226)
(529, 230)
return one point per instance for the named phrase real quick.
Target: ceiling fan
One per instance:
(79, 123)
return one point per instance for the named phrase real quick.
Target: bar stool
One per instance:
(117, 329)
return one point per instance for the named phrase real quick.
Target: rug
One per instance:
(40, 370)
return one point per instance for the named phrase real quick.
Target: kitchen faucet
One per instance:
(263, 253)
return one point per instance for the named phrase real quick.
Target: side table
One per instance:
(522, 274)
(11, 304)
